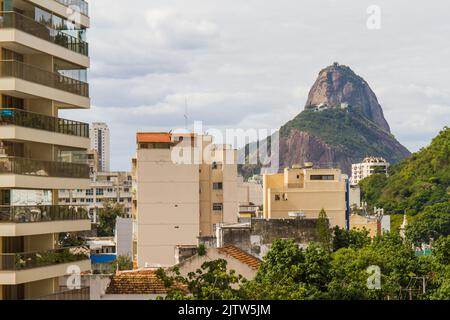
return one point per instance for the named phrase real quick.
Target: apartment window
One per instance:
(217, 206)
(99, 192)
(126, 189)
(322, 177)
(218, 186)
(82, 200)
(277, 197)
(110, 190)
(89, 192)
(90, 200)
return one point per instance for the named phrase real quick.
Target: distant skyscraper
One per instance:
(99, 133)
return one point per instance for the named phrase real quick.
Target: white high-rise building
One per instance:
(99, 133)
(367, 167)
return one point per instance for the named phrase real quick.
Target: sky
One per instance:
(250, 64)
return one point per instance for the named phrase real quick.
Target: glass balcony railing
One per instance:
(16, 69)
(10, 19)
(30, 214)
(31, 167)
(80, 6)
(39, 259)
(18, 117)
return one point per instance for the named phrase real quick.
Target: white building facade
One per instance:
(367, 167)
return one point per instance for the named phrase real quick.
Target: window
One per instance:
(99, 192)
(217, 185)
(109, 190)
(126, 189)
(90, 200)
(89, 192)
(322, 177)
(217, 206)
(277, 197)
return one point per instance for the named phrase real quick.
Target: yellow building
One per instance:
(183, 186)
(304, 191)
(44, 59)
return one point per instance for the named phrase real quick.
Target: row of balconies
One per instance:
(47, 213)
(25, 166)
(27, 72)
(18, 117)
(39, 259)
(28, 25)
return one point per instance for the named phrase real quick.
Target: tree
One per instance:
(432, 223)
(290, 273)
(107, 219)
(122, 263)
(355, 239)
(213, 281)
(323, 232)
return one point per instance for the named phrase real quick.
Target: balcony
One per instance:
(80, 6)
(42, 31)
(16, 69)
(30, 214)
(18, 117)
(40, 168)
(40, 259)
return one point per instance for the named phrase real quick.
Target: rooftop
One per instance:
(241, 255)
(153, 137)
(142, 281)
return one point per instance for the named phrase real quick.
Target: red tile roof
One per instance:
(136, 282)
(241, 255)
(145, 137)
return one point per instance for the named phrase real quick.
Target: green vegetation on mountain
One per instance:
(421, 180)
(349, 130)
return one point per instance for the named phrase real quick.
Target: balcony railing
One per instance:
(18, 117)
(28, 25)
(39, 259)
(16, 69)
(30, 214)
(31, 167)
(77, 5)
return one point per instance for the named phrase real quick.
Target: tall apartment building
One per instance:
(367, 167)
(99, 134)
(184, 186)
(105, 187)
(304, 191)
(44, 59)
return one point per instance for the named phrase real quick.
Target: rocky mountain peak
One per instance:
(338, 85)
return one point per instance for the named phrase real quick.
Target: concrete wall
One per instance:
(258, 237)
(124, 236)
(194, 263)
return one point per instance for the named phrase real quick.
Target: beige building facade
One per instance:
(304, 191)
(184, 185)
(44, 60)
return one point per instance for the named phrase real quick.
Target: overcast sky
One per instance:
(250, 64)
